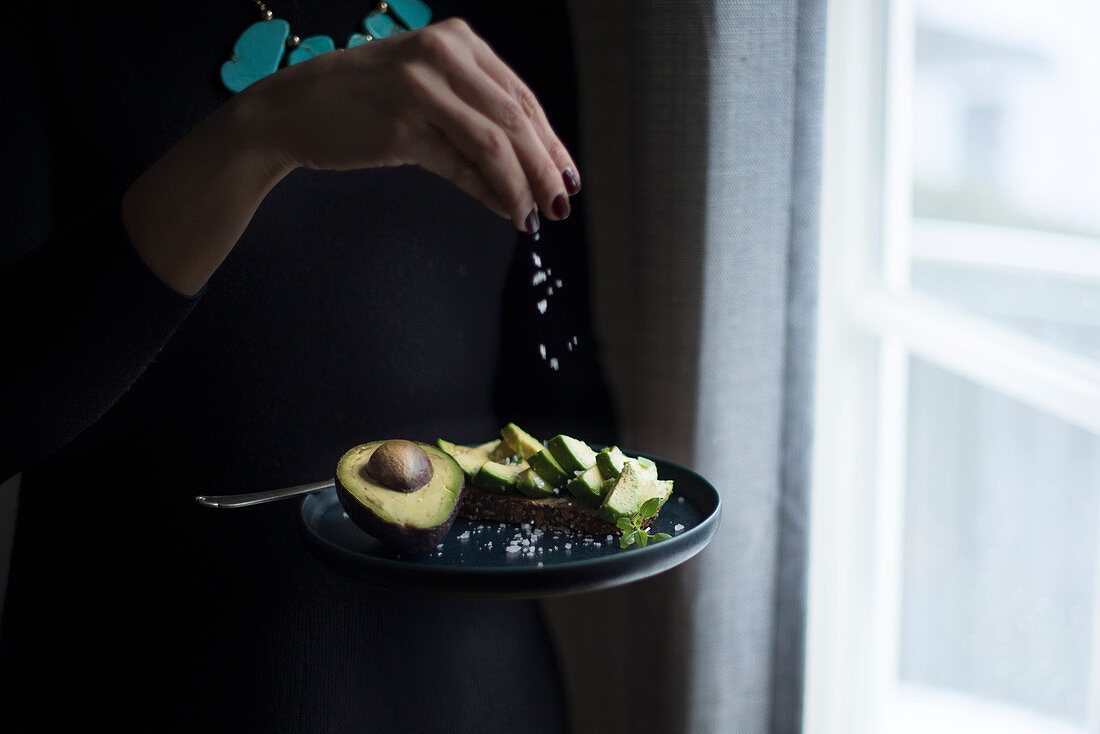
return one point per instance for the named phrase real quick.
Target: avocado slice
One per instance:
(470, 458)
(631, 490)
(573, 455)
(522, 443)
(611, 461)
(589, 485)
(649, 465)
(547, 467)
(406, 522)
(530, 484)
(497, 477)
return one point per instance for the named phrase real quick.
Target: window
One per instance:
(955, 547)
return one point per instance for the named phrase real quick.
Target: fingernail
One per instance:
(572, 181)
(560, 207)
(532, 222)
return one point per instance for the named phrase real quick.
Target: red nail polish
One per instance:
(560, 207)
(572, 181)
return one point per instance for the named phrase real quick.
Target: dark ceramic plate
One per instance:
(501, 560)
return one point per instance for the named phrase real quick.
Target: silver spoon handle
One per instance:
(255, 498)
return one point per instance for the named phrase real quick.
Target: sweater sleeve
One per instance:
(81, 316)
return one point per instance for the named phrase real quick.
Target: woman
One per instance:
(200, 305)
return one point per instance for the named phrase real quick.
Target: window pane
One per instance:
(1001, 542)
(1006, 105)
(1063, 312)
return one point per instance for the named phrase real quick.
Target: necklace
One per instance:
(260, 49)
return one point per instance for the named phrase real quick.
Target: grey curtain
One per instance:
(701, 138)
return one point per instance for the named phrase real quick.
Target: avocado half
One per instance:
(406, 522)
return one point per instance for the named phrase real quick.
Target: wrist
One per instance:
(187, 211)
(251, 141)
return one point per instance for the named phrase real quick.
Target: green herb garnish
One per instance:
(632, 529)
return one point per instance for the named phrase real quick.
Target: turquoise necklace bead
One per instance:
(260, 49)
(256, 54)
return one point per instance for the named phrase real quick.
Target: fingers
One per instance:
(443, 159)
(516, 89)
(496, 123)
(543, 174)
(488, 147)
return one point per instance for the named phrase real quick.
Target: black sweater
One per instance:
(357, 306)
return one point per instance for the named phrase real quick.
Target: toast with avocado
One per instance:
(560, 482)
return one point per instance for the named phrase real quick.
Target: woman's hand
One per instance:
(437, 97)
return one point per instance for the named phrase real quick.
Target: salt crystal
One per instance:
(538, 260)
(540, 564)
(558, 282)
(539, 277)
(550, 291)
(464, 536)
(678, 527)
(542, 306)
(542, 350)
(512, 549)
(609, 537)
(568, 546)
(553, 363)
(569, 346)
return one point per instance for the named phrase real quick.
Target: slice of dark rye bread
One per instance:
(561, 512)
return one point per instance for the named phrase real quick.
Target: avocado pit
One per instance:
(400, 465)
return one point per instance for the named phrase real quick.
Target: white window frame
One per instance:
(870, 324)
